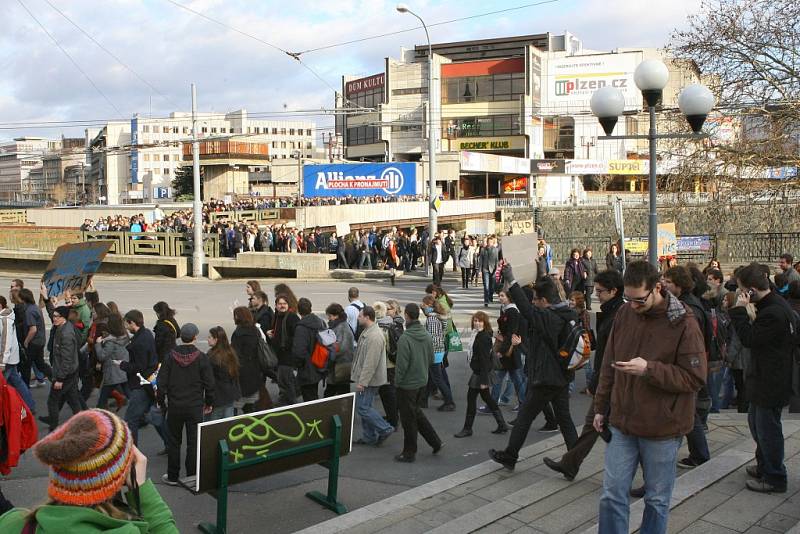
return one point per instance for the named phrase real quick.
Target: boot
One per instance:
(502, 427)
(120, 398)
(467, 430)
(392, 280)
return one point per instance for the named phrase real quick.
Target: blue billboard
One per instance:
(134, 152)
(360, 179)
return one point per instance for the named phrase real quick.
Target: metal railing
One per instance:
(154, 243)
(13, 217)
(246, 216)
(762, 247)
(512, 203)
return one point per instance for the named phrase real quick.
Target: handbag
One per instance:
(454, 342)
(267, 359)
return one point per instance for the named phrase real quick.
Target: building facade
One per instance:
(136, 161)
(17, 159)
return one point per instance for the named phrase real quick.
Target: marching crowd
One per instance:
(669, 348)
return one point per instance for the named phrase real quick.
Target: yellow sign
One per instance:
(636, 245)
(437, 203)
(667, 240)
(488, 143)
(628, 166)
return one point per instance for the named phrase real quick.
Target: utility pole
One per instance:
(198, 254)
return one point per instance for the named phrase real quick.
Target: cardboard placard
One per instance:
(342, 229)
(667, 240)
(279, 429)
(73, 266)
(521, 251)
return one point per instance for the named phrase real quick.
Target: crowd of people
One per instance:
(670, 346)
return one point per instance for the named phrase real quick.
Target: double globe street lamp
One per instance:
(651, 77)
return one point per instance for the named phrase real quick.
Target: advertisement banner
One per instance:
(360, 179)
(629, 166)
(586, 166)
(365, 84)
(636, 245)
(515, 185)
(516, 142)
(694, 243)
(572, 80)
(547, 166)
(480, 162)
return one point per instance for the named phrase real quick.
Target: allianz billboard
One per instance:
(360, 179)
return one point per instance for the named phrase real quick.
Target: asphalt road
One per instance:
(368, 474)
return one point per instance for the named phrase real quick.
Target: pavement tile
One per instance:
(463, 505)
(503, 526)
(777, 521)
(554, 502)
(435, 501)
(407, 526)
(508, 486)
(704, 527)
(527, 529)
(435, 517)
(788, 508)
(475, 485)
(744, 510)
(483, 516)
(570, 516)
(761, 530)
(384, 521)
(693, 509)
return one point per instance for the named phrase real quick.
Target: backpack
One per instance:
(325, 349)
(576, 349)
(392, 334)
(359, 327)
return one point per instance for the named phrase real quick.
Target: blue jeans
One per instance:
(696, 440)
(767, 431)
(623, 455)
(14, 379)
(156, 418)
(488, 287)
(437, 376)
(516, 377)
(373, 425)
(221, 412)
(139, 404)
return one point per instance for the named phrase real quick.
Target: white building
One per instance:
(17, 159)
(136, 160)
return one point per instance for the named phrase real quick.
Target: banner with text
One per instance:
(360, 179)
(73, 266)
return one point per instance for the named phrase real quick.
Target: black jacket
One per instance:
(64, 354)
(768, 382)
(264, 318)
(284, 327)
(186, 379)
(509, 323)
(143, 358)
(481, 362)
(226, 388)
(245, 341)
(165, 337)
(590, 266)
(690, 300)
(605, 322)
(544, 327)
(305, 335)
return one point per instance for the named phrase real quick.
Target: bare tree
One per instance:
(749, 54)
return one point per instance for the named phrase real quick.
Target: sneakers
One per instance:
(404, 459)
(168, 481)
(446, 408)
(503, 458)
(484, 410)
(383, 437)
(687, 463)
(753, 472)
(549, 428)
(437, 448)
(762, 486)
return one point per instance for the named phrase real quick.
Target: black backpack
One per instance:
(393, 334)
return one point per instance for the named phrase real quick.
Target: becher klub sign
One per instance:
(365, 84)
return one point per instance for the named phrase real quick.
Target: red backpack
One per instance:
(17, 427)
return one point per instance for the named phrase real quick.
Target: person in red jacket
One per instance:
(20, 430)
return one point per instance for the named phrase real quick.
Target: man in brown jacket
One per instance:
(654, 364)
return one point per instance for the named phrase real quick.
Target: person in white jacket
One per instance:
(9, 354)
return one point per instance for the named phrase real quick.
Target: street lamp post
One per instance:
(432, 213)
(651, 76)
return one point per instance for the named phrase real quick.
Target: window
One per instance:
(492, 88)
(223, 130)
(410, 91)
(166, 157)
(176, 157)
(185, 129)
(495, 125)
(283, 131)
(283, 144)
(559, 135)
(274, 131)
(156, 171)
(292, 144)
(213, 130)
(308, 132)
(274, 144)
(291, 131)
(145, 129)
(204, 129)
(363, 135)
(174, 129)
(366, 99)
(258, 130)
(308, 146)
(166, 170)
(165, 129)
(146, 157)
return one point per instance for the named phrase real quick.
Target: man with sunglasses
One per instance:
(653, 366)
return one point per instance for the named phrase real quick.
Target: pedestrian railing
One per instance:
(13, 217)
(763, 247)
(245, 216)
(155, 243)
(501, 203)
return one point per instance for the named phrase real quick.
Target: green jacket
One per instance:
(85, 315)
(414, 357)
(156, 518)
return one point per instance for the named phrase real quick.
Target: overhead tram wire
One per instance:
(75, 63)
(415, 28)
(110, 53)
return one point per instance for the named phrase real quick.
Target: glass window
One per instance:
(451, 91)
(291, 131)
(166, 170)
(283, 131)
(214, 130)
(274, 131)
(308, 133)
(146, 129)
(502, 88)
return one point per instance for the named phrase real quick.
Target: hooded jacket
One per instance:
(186, 379)
(226, 388)
(343, 356)
(305, 336)
(112, 348)
(660, 404)
(414, 357)
(52, 518)
(85, 316)
(605, 321)
(245, 341)
(9, 345)
(369, 364)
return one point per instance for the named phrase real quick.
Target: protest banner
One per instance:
(667, 240)
(73, 266)
(521, 251)
(259, 444)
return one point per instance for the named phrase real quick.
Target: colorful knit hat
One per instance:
(89, 457)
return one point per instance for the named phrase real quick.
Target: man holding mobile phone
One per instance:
(654, 364)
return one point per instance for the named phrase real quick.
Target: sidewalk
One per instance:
(535, 500)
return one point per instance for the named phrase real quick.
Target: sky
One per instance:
(168, 48)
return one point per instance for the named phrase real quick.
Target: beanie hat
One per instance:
(89, 457)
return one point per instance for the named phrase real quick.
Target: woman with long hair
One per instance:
(92, 458)
(281, 338)
(250, 288)
(435, 324)
(574, 273)
(245, 341)
(225, 365)
(338, 378)
(166, 330)
(110, 348)
(578, 303)
(614, 259)
(482, 364)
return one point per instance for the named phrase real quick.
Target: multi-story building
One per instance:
(63, 176)
(17, 159)
(525, 97)
(136, 161)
